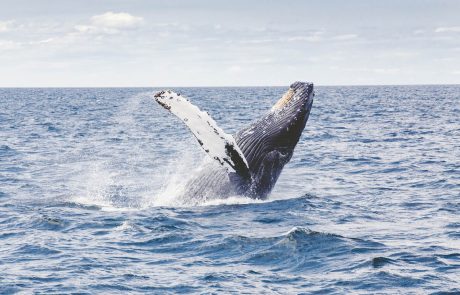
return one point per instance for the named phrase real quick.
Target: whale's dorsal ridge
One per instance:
(219, 145)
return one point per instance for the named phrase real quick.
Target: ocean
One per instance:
(368, 204)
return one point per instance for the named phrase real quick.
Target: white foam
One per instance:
(233, 200)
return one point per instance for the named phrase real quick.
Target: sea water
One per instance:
(369, 203)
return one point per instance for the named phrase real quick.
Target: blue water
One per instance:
(370, 202)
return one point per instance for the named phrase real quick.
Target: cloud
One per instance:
(258, 41)
(9, 45)
(85, 28)
(262, 61)
(45, 41)
(120, 20)
(304, 38)
(110, 22)
(403, 54)
(235, 69)
(5, 26)
(386, 70)
(319, 36)
(345, 37)
(447, 30)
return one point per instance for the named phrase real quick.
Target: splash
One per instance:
(135, 176)
(129, 177)
(233, 200)
(165, 187)
(175, 176)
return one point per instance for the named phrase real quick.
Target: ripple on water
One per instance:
(89, 178)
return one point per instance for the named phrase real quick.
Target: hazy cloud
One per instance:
(322, 36)
(313, 37)
(235, 69)
(137, 43)
(387, 70)
(259, 41)
(447, 29)
(345, 37)
(403, 54)
(419, 32)
(5, 26)
(9, 45)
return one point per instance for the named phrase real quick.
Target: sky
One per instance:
(153, 43)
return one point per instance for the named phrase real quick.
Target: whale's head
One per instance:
(287, 118)
(268, 143)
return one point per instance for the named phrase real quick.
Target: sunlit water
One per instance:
(369, 203)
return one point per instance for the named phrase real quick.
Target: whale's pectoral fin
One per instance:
(215, 142)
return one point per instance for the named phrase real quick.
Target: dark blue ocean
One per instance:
(369, 203)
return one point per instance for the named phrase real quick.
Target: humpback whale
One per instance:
(250, 161)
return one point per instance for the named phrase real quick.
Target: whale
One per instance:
(249, 162)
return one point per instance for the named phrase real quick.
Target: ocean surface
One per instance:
(369, 203)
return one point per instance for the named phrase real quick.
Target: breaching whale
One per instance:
(249, 162)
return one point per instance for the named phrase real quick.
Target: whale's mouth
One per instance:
(284, 100)
(300, 92)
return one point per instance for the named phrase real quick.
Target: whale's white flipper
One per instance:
(219, 145)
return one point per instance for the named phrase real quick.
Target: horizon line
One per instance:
(237, 86)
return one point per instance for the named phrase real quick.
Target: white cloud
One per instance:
(404, 54)
(5, 26)
(313, 38)
(258, 41)
(418, 32)
(387, 70)
(84, 28)
(9, 45)
(456, 72)
(45, 41)
(345, 37)
(319, 36)
(235, 69)
(445, 59)
(447, 30)
(114, 20)
(262, 61)
(110, 23)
